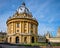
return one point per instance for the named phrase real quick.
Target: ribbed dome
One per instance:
(22, 12)
(23, 9)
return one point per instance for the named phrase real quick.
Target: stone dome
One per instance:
(23, 9)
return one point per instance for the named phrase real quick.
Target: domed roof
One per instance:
(23, 9)
(22, 12)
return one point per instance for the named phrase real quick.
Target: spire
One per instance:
(48, 33)
(23, 3)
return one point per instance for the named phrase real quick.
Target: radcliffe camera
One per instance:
(29, 24)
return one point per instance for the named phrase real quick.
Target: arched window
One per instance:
(10, 39)
(32, 39)
(31, 26)
(25, 39)
(17, 39)
(17, 25)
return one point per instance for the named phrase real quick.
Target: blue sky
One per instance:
(47, 13)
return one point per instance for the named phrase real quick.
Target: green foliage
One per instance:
(39, 44)
(33, 44)
(55, 44)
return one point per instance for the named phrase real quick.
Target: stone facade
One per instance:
(54, 39)
(22, 27)
(41, 39)
(58, 32)
(2, 37)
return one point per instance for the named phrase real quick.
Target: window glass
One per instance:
(17, 25)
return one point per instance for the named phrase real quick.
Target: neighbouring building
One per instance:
(58, 32)
(22, 27)
(3, 37)
(54, 39)
(41, 39)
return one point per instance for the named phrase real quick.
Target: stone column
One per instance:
(29, 39)
(22, 27)
(29, 27)
(13, 39)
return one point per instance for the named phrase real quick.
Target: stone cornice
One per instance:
(25, 34)
(22, 19)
